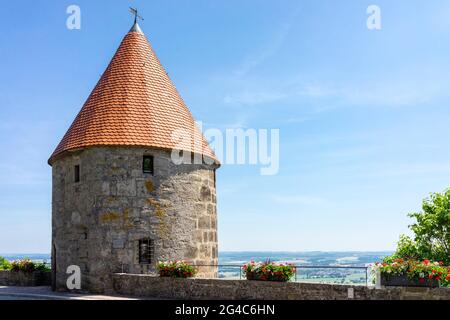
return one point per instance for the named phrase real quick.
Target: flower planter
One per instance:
(403, 281)
(175, 274)
(262, 277)
(176, 269)
(268, 271)
(412, 273)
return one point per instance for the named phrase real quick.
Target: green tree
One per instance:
(431, 231)
(432, 227)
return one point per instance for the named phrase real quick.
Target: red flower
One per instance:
(422, 280)
(438, 278)
(441, 263)
(430, 276)
(447, 278)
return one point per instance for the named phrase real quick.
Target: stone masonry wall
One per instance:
(97, 222)
(212, 289)
(10, 278)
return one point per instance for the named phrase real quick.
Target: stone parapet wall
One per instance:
(21, 279)
(203, 289)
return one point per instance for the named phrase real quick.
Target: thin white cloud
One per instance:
(286, 91)
(13, 174)
(298, 200)
(254, 98)
(386, 94)
(272, 47)
(404, 169)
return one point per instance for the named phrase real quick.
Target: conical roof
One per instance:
(134, 104)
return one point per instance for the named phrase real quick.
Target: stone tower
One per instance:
(120, 201)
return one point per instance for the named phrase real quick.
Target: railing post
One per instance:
(378, 279)
(367, 277)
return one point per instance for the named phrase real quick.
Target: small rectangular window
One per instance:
(146, 251)
(148, 164)
(77, 173)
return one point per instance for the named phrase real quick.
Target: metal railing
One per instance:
(346, 274)
(315, 274)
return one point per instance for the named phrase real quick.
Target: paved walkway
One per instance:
(45, 293)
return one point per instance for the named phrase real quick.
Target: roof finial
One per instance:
(135, 27)
(136, 15)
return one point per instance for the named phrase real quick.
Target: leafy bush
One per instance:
(176, 269)
(4, 264)
(406, 249)
(431, 232)
(268, 271)
(42, 267)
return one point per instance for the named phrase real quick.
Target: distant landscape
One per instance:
(230, 263)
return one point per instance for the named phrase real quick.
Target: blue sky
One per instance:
(363, 115)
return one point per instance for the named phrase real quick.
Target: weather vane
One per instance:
(136, 15)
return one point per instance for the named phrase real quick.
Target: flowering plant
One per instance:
(25, 265)
(268, 271)
(415, 270)
(176, 269)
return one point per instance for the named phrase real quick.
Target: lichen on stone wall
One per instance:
(152, 202)
(149, 186)
(115, 216)
(161, 213)
(126, 219)
(111, 200)
(110, 216)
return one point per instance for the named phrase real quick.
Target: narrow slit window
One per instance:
(148, 164)
(77, 173)
(146, 249)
